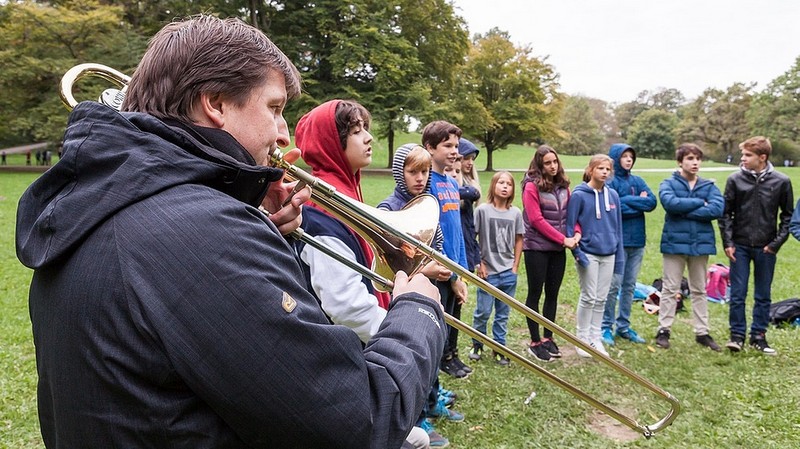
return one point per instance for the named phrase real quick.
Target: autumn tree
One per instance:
(663, 99)
(717, 120)
(506, 94)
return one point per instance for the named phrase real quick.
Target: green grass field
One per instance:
(728, 400)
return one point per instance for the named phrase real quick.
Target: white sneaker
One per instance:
(582, 353)
(598, 345)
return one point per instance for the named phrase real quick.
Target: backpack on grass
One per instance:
(718, 283)
(682, 294)
(785, 311)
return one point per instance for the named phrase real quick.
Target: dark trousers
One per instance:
(452, 307)
(545, 270)
(763, 272)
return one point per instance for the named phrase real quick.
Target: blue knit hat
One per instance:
(465, 147)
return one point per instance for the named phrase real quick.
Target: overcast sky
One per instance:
(614, 49)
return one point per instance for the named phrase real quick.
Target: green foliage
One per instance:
(507, 94)
(775, 112)
(582, 134)
(652, 134)
(663, 99)
(40, 43)
(716, 120)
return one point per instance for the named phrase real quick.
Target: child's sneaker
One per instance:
(538, 351)
(707, 341)
(631, 336)
(448, 366)
(500, 359)
(475, 352)
(598, 345)
(759, 343)
(736, 343)
(447, 393)
(551, 347)
(608, 337)
(437, 440)
(662, 338)
(441, 411)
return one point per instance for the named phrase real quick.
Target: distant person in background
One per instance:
(3, 158)
(758, 208)
(545, 195)
(499, 227)
(691, 204)
(600, 254)
(635, 198)
(28, 158)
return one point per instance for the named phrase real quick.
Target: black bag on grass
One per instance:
(784, 311)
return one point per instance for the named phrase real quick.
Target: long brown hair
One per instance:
(536, 171)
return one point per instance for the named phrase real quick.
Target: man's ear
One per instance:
(211, 110)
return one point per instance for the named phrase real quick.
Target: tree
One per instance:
(775, 112)
(603, 114)
(582, 134)
(39, 44)
(652, 134)
(387, 55)
(717, 120)
(506, 95)
(663, 99)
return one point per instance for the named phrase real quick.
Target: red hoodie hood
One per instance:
(317, 138)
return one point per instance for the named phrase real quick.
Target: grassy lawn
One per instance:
(728, 400)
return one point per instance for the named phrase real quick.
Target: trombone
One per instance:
(398, 247)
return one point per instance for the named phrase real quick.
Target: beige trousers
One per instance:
(674, 265)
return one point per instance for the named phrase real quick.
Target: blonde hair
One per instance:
(595, 162)
(490, 196)
(471, 177)
(418, 159)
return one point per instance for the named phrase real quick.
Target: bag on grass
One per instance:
(784, 311)
(718, 283)
(682, 294)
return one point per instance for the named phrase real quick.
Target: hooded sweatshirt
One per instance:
(629, 186)
(600, 220)
(167, 311)
(347, 297)
(401, 196)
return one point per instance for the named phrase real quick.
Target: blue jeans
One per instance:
(505, 281)
(623, 285)
(764, 269)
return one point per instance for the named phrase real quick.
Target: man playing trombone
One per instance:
(167, 310)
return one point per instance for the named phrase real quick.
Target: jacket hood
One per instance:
(465, 147)
(111, 160)
(615, 152)
(398, 167)
(318, 140)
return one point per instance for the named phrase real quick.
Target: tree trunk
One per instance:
(390, 140)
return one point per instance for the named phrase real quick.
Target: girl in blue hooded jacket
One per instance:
(600, 253)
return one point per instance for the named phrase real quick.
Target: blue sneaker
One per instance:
(447, 400)
(448, 393)
(608, 337)
(631, 335)
(441, 411)
(437, 440)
